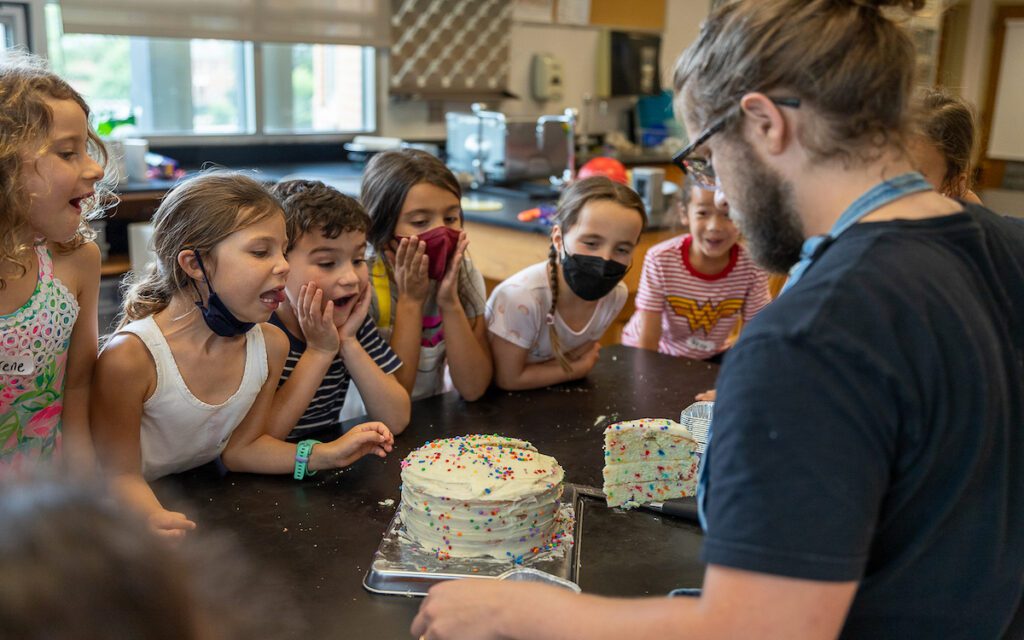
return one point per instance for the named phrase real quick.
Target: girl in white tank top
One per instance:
(191, 373)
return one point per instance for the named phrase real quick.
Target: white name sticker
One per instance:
(702, 345)
(16, 365)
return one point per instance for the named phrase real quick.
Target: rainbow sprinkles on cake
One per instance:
(648, 460)
(481, 495)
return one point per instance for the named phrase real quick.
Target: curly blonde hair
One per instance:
(25, 124)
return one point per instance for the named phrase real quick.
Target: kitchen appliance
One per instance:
(491, 147)
(647, 182)
(635, 63)
(628, 64)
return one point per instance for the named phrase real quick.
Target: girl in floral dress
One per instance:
(49, 269)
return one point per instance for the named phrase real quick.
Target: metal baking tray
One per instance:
(402, 567)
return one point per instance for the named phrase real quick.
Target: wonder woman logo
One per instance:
(704, 316)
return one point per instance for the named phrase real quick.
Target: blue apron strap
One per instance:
(871, 200)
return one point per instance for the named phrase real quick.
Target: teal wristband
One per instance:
(302, 453)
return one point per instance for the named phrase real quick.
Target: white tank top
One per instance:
(178, 430)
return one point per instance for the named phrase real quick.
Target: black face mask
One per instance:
(591, 277)
(216, 314)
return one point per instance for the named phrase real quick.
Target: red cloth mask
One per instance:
(441, 245)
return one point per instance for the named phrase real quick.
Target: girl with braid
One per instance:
(545, 321)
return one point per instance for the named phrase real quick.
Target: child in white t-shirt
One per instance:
(545, 321)
(696, 287)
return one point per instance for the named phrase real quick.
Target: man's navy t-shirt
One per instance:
(870, 427)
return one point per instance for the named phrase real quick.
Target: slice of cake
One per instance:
(481, 495)
(648, 460)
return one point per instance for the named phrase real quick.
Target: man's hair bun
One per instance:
(910, 6)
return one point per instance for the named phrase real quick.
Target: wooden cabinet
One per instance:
(638, 14)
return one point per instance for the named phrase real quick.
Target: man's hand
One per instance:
(476, 609)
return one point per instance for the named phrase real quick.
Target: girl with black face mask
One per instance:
(544, 322)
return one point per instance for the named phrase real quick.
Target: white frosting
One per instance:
(480, 495)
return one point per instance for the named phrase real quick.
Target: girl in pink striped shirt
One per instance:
(695, 288)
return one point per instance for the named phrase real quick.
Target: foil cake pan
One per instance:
(402, 567)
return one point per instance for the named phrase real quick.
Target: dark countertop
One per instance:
(347, 177)
(317, 537)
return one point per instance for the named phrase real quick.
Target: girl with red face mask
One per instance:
(428, 299)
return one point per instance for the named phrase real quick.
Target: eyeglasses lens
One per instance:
(701, 170)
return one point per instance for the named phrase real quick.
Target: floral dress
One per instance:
(34, 342)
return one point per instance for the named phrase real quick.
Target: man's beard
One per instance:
(764, 212)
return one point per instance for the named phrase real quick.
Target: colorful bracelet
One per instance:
(302, 454)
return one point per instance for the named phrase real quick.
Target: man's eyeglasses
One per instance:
(700, 168)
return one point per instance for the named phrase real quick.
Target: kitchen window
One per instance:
(187, 88)
(13, 25)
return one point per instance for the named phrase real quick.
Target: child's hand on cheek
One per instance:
(448, 289)
(361, 440)
(358, 306)
(410, 262)
(317, 325)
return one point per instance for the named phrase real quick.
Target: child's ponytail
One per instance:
(556, 345)
(145, 297)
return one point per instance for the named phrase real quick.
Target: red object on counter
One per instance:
(604, 166)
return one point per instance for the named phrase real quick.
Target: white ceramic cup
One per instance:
(135, 150)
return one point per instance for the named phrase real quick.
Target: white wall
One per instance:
(979, 43)
(1006, 140)
(682, 24)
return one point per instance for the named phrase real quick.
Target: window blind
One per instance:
(354, 22)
